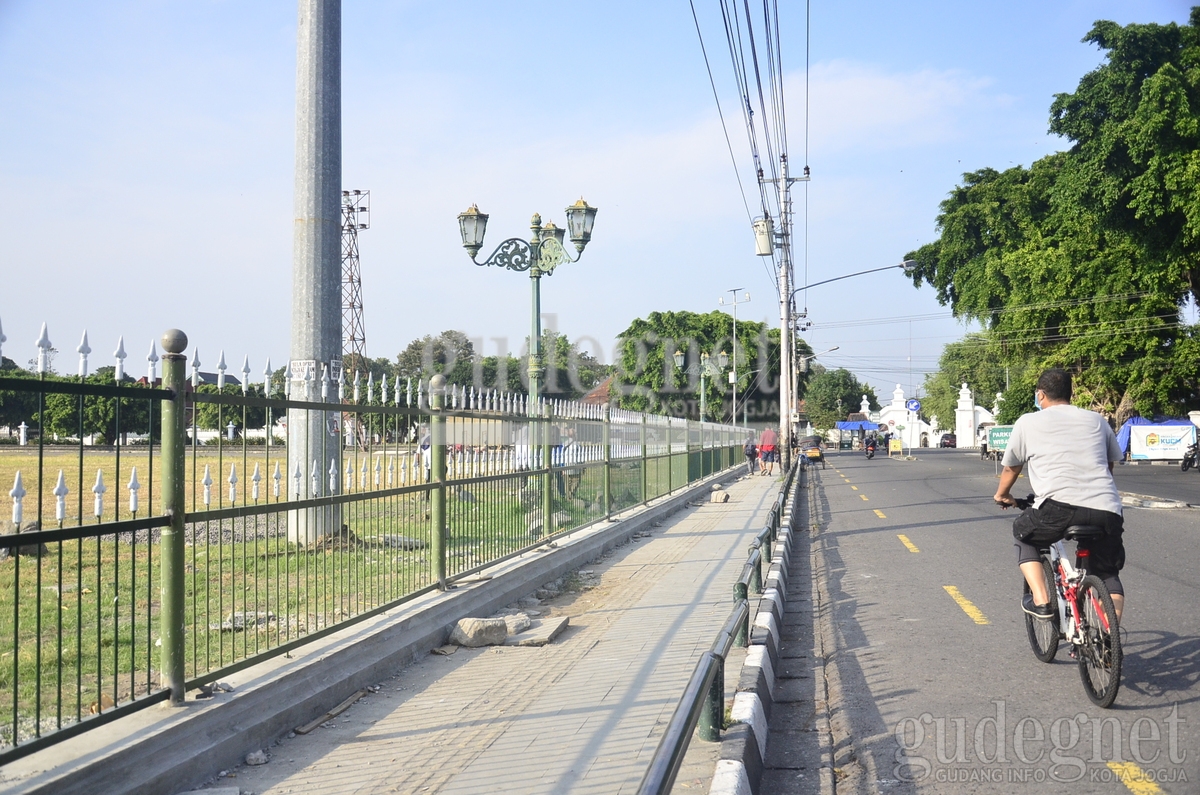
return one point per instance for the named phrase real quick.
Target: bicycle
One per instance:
(1083, 615)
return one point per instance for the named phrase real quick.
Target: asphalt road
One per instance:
(941, 690)
(1155, 480)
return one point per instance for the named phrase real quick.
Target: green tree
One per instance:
(99, 415)
(1084, 259)
(213, 416)
(16, 407)
(832, 394)
(648, 379)
(975, 361)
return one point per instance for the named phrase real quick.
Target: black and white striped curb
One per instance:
(744, 744)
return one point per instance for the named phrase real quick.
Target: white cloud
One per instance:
(858, 106)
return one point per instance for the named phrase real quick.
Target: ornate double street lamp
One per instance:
(708, 366)
(540, 255)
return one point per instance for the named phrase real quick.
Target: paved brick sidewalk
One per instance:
(582, 715)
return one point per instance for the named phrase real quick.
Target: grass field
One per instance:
(79, 623)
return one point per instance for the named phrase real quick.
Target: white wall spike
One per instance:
(276, 477)
(349, 473)
(152, 362)
(254, 481)
(133, 491)
(267, 385)
(119, 354)
(60, 499)
(246, 374)
(83, 350)
(383, 397)
(195, 369)
(378, 468)
(324, 382)
(370, 388)
(98, 490)
(297, 476)
(408, 393)
(357, 386)
(221, 367)
(341, 382)
(333, 475)
(43, 357)
(207, 482)
(233, 481)
(316, 478)
(18, 497)
(362, 478)
(396, 390)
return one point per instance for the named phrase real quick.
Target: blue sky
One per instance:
(146, 154)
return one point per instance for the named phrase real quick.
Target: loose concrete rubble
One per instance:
(718, 494)
(475, 632)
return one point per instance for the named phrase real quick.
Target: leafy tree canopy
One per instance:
(832, 394)
(1085, 259)
(648, 379)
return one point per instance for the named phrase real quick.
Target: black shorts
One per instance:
(1037, 528)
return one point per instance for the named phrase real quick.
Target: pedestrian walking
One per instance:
(768, 451)
(751, 451)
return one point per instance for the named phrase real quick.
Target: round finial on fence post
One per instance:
(174, 341)
(437, 392)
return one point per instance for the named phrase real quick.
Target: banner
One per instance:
(1160, 442)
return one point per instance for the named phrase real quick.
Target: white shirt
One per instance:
(1066, 451)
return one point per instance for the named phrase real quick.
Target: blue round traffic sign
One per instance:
(913, 404)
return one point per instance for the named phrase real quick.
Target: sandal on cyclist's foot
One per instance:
(1037, 611)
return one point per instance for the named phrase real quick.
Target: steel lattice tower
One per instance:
(356, 215)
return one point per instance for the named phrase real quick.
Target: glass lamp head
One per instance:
(678, 357)
(723, 359)
(580, 217)
(552, 231)
(472, 224)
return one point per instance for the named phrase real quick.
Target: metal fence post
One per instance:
(548, 477)
(742, 636)
(756, 580)
(171, 624)
(670, 454)
(645, 482)
(712, 715)
(606, 482)
(437, 455)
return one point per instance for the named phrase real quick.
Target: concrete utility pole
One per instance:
(314, 445)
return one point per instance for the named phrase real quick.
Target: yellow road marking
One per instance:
(967, 606)
(1134, 778)
(854, 487)
(911, 546)
(880, 514)
(864, 497)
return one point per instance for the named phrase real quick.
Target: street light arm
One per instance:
(907, 266)
(516, 254)
(513, 254)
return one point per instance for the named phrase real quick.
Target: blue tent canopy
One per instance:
(857, 425)
(1123, 434)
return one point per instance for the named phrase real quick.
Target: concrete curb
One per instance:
(744, 744)
(157, 751)
(1131, 500)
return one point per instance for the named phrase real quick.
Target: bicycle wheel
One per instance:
(1100, 653)
(1043, 634)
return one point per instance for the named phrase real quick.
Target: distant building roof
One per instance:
(601, 395)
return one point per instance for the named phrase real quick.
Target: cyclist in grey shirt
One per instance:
(1070, 453)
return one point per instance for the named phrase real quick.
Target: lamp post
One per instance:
(540, 255)
(733, 373)
(785, 427)
(705, 367)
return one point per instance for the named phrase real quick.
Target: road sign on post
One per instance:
(998, 438)
(913, 405)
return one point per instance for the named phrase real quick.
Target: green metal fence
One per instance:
(169, 536)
